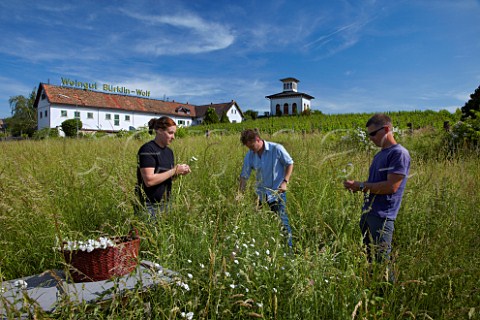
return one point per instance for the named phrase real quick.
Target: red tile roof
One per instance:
(95, 99)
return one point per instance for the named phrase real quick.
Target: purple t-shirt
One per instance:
(395, 159)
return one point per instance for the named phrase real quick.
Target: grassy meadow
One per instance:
(231, 254)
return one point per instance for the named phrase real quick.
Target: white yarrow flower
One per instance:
(188, 316)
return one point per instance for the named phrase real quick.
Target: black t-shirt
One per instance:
(151, 155)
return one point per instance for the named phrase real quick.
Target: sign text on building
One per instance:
(104, 87)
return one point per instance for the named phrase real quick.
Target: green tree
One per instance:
(211, 116)
(250, 114)
(472, 105)
(24, 115)
(224, 118)
(71, 126)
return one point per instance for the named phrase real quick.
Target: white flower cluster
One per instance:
(188, 316)
(183, 285)
(89, 245)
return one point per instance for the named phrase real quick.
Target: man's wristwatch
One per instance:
(285, 180)
(362, 186)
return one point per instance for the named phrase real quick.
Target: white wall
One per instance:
(234, 114)
(99, 119)
(300, 101)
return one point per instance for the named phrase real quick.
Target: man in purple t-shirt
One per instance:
(383, 190)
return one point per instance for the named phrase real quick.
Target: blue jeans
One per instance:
(277, 204)
(157, 208)
(377, 236)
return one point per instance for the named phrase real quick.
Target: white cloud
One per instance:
(180, 34)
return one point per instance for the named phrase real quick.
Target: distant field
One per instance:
(231, 255)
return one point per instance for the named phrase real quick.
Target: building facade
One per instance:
(289, 101)
(100, 111)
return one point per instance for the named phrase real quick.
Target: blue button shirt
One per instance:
(269, 168)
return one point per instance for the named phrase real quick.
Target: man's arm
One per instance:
(389, 186)
(288, 173)
(242, 185)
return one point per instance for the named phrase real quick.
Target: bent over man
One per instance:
(273, 167)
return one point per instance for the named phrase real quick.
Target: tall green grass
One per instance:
(231, 254)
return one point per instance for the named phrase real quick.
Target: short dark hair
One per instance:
(160, 123)
(379, 119)
(248, 135)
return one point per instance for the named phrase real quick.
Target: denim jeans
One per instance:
(156, 209)
(377, 235)
(277, 204)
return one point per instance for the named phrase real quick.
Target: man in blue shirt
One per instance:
(273, 167)
(383, 190)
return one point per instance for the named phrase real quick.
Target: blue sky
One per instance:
(352, 56)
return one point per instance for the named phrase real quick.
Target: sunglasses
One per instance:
(373, 133)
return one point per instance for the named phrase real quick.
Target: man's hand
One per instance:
(283, 187)
(351, 185)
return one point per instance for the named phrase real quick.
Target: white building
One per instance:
(290, 101)
(115, 112)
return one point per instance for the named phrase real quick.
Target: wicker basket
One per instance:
(103, 264)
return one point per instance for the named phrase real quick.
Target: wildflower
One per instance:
(227, 274)
(267, 252)
(275, 290)
(232, 286)
(257, 253)
(183, 285)
(193, 159)
(245, 246)
(260, 305)
(202, 265)
(236, 261)
(189, 261)
(188, 316)
(189, 275)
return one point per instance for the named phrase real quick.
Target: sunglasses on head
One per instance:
(373, 133)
